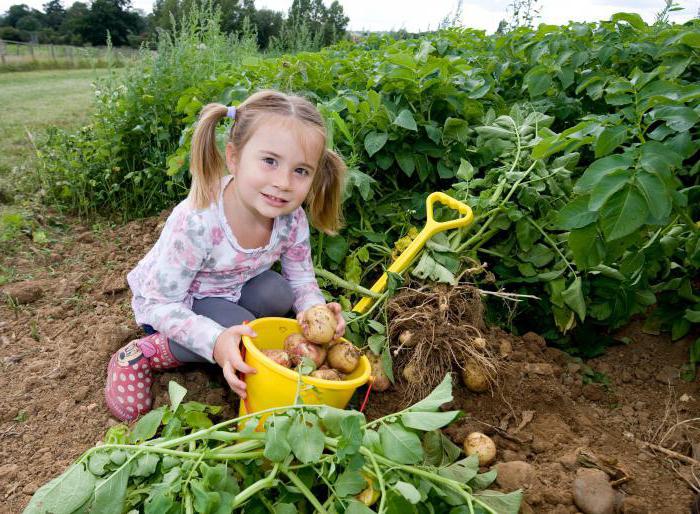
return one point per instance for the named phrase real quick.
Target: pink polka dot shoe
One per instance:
(128, 387)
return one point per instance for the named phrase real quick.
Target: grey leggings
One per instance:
(268, 294)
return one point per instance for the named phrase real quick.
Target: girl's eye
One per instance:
(270, 161)
(302, 171)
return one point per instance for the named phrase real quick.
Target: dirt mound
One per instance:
(69, 311)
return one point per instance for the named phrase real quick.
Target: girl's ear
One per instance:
(230, 158)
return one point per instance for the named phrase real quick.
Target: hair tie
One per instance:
(231, 113)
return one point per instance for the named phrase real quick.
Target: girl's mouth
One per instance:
(273, 200)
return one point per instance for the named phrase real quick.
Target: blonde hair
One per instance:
(207, 165)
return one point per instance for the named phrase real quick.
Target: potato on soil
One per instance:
(320, 324)
(326, 374)
(481, 445)
(298, 347)
(380, 382)
(278, 356)
(344, 357)
(474, 377)
(412, 374)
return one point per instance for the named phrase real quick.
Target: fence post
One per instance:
(31, 51)
(53, 56)
(2, 51)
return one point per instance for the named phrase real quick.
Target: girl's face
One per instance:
(274, 171)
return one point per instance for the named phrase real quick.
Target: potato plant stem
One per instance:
(350, 286)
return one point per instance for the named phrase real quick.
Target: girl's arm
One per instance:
(179, 254)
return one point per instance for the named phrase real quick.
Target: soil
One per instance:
(71, 311)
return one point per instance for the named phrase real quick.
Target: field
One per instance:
(572, 301)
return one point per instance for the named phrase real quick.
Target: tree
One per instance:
(112, 16)
(16, 13)
(54, 14)
(76, 24)
(269, 24)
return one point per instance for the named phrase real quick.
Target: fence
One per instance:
(14, 54)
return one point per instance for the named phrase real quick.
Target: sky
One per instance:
(416, 16)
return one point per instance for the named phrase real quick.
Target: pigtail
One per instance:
(206, 163)
(325, 197)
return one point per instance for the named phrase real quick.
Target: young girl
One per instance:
(209, 271)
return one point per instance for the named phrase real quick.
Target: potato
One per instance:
(479, 343)
(279, 356)
(326, 374)
(380, 382)
(344, 357)
(481, 445)
(320, 324)
(474, 377)
(297, 347)
(406, 339)
(412, 374)
(369, 495)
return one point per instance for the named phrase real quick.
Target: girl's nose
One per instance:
(283, 179)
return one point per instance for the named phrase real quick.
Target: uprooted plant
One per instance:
(310, 458)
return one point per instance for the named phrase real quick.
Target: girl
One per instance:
(209, 271)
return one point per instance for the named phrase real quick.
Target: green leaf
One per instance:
(64, 494)
(538, 81)
(427, 421)
(350, 483)
(406, 162)
(111, 491)
(439, 450)
(97, 463)
(356, 507)
(601, 168)
(609, 139)
(677, 117)
(455, 129)
(440, 395)
(333, 419)
(573, 298)
(692, 315)
(465, 171)
(307, 437)
(624, 213)
(587, 246)
(483, 480)
(336, 247)
(405, 120)
(606, 187)
(463, 470)
(658, 158)
(147, 426)
(277, 447)
(576, 214)
(176, 393)
(376, 343)
(633, 19)
(400, 445)
(145, 465)
(197, 419)
(375, 141)
(408, 491)
(656, 195)
(502, 503)
(351, 436)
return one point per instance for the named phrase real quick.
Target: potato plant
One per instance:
(311, 458)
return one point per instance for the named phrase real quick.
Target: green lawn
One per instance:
(33, 101)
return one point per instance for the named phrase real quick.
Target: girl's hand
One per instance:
(227, 354)
(337, 311)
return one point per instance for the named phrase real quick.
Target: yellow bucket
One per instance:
(276, 386)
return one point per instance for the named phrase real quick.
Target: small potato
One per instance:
(481, 445)
(406, 339)
(297, 347)
(344, 357)
(370, 494)
(479, 343)
(279, 356)
(326, 374)
(320, 324)
(412, 374)
(380, 382)
(474, 377)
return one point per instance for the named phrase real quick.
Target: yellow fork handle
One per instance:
(431, 228)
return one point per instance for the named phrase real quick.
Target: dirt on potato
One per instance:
(70, 311)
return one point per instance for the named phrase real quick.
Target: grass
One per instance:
(33, 101)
